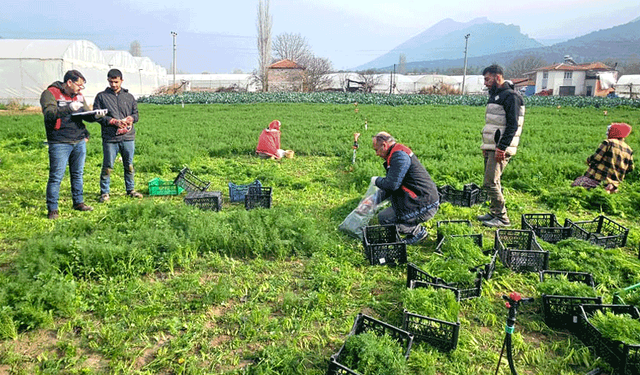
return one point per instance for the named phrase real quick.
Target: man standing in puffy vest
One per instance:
(407, 184)
(500, 137)
(66, 136)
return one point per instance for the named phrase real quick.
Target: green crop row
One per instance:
(378, 99)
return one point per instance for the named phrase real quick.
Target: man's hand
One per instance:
(484, 153)
(128, 120)
(76, 106)
(500, 155)
(115, 122)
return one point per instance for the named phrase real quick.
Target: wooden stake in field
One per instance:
(355, 147)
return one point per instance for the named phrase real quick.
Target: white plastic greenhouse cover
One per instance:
(29, 66)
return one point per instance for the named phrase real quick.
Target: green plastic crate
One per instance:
(158, 186)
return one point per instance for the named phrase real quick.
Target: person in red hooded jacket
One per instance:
(269, 142)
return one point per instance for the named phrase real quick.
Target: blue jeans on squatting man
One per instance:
(61, 154)
(110, 150)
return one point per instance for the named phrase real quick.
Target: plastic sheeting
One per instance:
(28, 66)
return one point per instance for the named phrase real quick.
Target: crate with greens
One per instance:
(562, 292)
(372, 347)
(468, 248)
(613, 331)
(431, 314)
(452, 272)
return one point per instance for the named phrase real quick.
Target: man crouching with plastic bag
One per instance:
(413, 195)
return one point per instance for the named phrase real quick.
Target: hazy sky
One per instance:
(219, 37)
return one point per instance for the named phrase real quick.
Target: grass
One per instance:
(154, 286)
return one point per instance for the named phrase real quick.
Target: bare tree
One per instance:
(316, 74)
(264, 44)
(293, 47)
(135, 49)
(370, 78)
(522, 65)
(402, 64)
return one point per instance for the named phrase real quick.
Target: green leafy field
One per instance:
(154, 286)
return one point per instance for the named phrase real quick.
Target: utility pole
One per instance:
(174, 34)
(464, 71)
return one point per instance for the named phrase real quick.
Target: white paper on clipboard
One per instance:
(94, 112)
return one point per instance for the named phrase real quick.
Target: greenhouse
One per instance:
(28, 66)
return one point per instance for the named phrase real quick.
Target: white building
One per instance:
(569, 78)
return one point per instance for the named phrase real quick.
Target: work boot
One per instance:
(497, 222)
(82, 207)
(485, 217)
(134, 194)
(104, 198)
(53, 215)
(414, 239)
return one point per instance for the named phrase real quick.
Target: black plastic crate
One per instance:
(383, 245)
(442, 223)
(206, 200)
(546, 227)
(364, 323)
(238, 192)
(257, 196)
(189, 182)
(488, 268)
(465, 291)
(519, 250)
(438, 333)
(466, 197)
(623, 357)
(600, 231)
(562, 311)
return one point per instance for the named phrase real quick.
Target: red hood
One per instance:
(274, 125)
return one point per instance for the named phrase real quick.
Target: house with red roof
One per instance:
(570, 78)
(285, 75)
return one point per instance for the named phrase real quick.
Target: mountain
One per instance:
(446, 40)
(618, 43)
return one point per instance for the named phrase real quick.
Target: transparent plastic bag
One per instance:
(353, 225)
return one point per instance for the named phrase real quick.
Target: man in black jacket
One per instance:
(407, 184)
(62, 106)
(118, 132)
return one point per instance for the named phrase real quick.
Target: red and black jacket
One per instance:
(60, 125)
(416, 191)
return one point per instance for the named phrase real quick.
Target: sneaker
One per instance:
(485, 217)
(104, 198)
(414, 239)
(497, 222)
(53, 215)
(134, 194)
(82, 207)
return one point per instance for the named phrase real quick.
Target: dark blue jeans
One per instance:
(411, 227)
(61, 154)
(109, 151)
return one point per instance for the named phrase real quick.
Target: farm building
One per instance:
(28, 66)
(569, 78)
(628, 86)
(285, 75)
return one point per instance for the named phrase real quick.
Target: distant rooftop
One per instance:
(285, 64)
